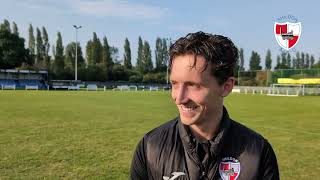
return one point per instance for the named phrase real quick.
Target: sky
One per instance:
(250, 24)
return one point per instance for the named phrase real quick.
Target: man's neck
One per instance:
(208, 128)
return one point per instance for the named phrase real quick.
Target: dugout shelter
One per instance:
(23, 79)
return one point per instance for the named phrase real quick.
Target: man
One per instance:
(203, 142)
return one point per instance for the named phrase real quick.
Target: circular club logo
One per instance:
(287, 31)
(229, 168)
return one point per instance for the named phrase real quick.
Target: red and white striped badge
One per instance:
(229, 168)
(287, 34)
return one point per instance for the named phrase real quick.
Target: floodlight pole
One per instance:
(76, 63)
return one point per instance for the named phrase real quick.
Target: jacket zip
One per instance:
(195, 158)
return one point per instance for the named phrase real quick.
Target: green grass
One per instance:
(92, 135)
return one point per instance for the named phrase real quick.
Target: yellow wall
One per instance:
(299, 81)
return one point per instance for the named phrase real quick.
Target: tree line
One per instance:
(102, 61)
(301, 60)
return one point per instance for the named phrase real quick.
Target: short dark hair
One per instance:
(216, 49)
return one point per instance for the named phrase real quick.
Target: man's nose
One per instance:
(181, 95)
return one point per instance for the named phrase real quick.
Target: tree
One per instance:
(53, 51)
(58, 64)
(307, 64)
(39, 47)
(159, 77)
(114, 52)
(268, 61)
(147, 57)
(294, 62)
(89, 52)
(1, 55)
(255, 61)
(106, 55)
(12, 51)
(46, 46)
(165, 53)
(127, 55)
(31, 44)
(139, 65)
(288, 61)
(15, 29)
(93, 73)
(317, 65)
(297, 62)
(96, 49)
(283, 61)
(312, 61)
(119, 73)
(5, 26)
(303, 62)
(159, 55)
(278, 65)
(70, 56)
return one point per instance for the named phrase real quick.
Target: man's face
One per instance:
(196, 93)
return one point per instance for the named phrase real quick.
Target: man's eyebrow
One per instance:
(187, 82)
(191, 82)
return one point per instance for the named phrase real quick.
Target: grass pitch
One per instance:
(92, 135)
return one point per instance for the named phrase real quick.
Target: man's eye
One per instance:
(174, 84)
(195, 85)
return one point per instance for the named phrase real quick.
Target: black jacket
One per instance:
(169, 152)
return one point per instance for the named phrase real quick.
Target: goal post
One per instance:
(287, 90)
(127, 88)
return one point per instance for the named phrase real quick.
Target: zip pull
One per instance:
(203, 175)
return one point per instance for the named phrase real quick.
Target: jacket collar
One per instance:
(215, 144)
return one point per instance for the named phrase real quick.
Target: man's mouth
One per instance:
(188, 108)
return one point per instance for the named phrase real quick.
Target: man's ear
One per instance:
(228, 86)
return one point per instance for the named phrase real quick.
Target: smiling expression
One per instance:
(196, 93)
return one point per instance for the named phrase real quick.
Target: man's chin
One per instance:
(188, 120)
